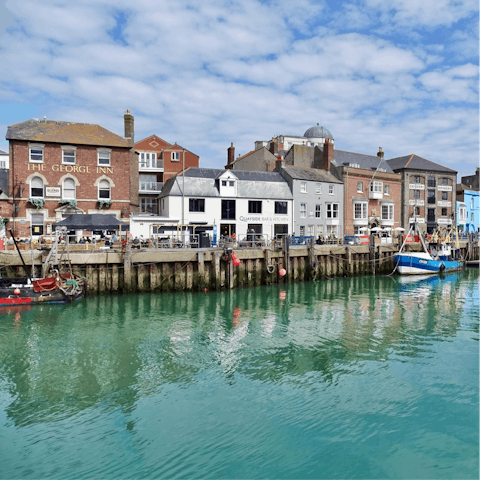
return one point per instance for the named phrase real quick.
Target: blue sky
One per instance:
(399, 75)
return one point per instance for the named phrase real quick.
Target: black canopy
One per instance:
(91, 222)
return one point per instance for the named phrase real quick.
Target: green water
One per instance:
(344, 378)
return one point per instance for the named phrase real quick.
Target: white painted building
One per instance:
(233, 202)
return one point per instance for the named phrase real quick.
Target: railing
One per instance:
(253, 240)
(180, 240)
(150, 186)
(151, 164)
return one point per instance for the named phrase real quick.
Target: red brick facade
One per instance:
(90, 175)
(357, 190)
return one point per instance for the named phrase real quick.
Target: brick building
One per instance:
(158, 161)
(372, 191)
(60, 168)
(428, 192)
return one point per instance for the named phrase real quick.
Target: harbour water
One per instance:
(343, 378)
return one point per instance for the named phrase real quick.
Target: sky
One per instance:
(399, 75)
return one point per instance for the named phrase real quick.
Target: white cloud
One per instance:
(209, 73)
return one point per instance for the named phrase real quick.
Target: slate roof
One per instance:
(369, 162)
(3, 153)
(414, 162)
(36, 130)
(200, 182)
(311, 174)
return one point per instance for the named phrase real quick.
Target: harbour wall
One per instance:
(162, 270)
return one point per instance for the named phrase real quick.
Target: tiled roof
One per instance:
(35, 130)
(414, 162)
(370, 162)
(312, 174)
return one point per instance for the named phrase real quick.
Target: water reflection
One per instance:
(111, 351)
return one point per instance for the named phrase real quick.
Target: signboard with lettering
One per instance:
(416, 186)
(52, 191)
(419, 203)
(444, 188)
(418, 220)
(444, 203)
(444, 221)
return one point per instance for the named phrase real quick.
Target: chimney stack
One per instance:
(129, 130)
(273, 147)
(380, 153)
(279, 163)
(230, 157)
(327, 155)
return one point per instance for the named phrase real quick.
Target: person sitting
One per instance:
(82, 241)
(136, 242)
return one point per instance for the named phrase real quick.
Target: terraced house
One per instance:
(58, 168)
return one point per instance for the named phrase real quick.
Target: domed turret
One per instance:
(318, 132)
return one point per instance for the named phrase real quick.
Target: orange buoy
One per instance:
(205, 289)
(16, 291)
(283, 295)
(282, 272)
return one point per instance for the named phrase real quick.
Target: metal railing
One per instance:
(150, 164)
(150, 186)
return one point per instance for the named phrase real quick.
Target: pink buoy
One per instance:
(282, 272)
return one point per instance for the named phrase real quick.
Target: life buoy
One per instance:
(270, 268)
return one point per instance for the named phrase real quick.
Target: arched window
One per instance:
(36, 187)
(104, 190)
(69, 189)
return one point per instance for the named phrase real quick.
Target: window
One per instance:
(444, 195)
(175, 156)
(444, 181)
(196, 205)
(318, 210)
(416, 179)
(36, 187)
(37, 223)
(281, 208)
(302, 230)
(471, 203)
(444, 212)
(359, 187)
(147, 183)
(332, 230)
(303, 210)
(331, 189)
(430, 215)
(36, 153)
(104, 158)
(360, 211)
(228, 209)
(318, 188)
(303, 187)
(332, 210)
(3, 164)
(68, 155)
(311, 230)
(231, 183)
(224, 183)
(104, 190)
(472, 217)
(69, 189)
(254, 206)
(417, 211)
(148, 205)
(147, 160)
(386, 189)
(416, 194)
(462, 213)
(387, 212)
(431, 182)
(430, 196)
(376, 187)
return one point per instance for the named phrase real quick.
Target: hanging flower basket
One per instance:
(107, 203)
(37, 202)
(72, 202)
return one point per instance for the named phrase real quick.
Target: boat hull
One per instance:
(420, 264)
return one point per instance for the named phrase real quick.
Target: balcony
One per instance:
(376, 190)
(155, 165)
(150, 187)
